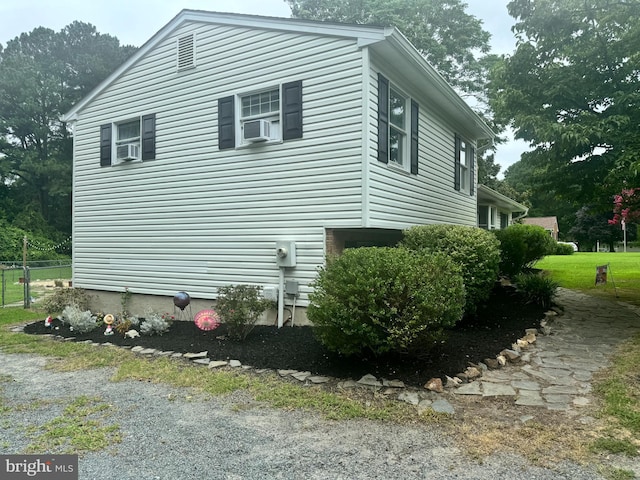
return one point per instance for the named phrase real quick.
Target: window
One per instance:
(129, 140)
(397, 127)
(464, 162)
(504, 220)
(397, 132)
(260, 117)
(273, 114)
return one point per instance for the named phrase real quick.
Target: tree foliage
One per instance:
(572, 89)
(443, 32)
(42, 74)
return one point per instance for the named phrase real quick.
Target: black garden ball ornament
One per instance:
(181, 300)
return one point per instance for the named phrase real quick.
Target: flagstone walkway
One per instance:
(556, 371)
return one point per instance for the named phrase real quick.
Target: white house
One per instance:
(497, 211)
(226, 137)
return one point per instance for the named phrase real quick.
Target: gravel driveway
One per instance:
(174, 434)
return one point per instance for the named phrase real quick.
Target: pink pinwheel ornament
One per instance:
(207, 320)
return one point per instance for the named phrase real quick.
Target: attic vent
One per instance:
(186, 52)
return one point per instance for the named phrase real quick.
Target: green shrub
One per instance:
(521, 246)
(63, 297)
(155, 323)
(80, 321)
(384, 299)
(475, 250)
(240, 307)
(563, 249)
(537, 288)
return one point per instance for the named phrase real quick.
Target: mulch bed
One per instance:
(475, 338)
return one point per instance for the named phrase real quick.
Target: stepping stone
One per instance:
(347, 384)
(316, 379)
(497, 390)
(286, 373)
(147, 351)
(217, 364)
(202, 361)
(235, 363)
(525, 385)
(561, 390)
(442, 406)
(581, 401)
(176, 355)
(301, 376)
(393, 383)
(411, 398)
(424, 405)
(369, 381)
(530, 398)
(469, 389)
(166, 354)
(193, 356)
(137, 349)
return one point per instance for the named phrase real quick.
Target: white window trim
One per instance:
(274, 118)
(405, 167)
(116, 142)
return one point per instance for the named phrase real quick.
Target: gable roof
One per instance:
(548, 223)
(387, 42)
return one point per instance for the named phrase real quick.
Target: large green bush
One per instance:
(475, 250)
(384, 299)
(521, 246)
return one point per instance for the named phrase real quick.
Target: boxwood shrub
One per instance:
(521, 246)
(383, 299)
(474, 249)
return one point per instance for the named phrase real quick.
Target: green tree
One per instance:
(592, 226)
(572, 89)
(42, 74)
(443, 32)
(451, 39)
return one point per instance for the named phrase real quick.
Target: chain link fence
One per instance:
(22, 286)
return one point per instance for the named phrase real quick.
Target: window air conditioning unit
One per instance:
(128, 152)
(256, 130)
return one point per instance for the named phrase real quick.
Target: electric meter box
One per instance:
(286, 254)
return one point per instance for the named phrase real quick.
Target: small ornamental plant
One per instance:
(240, 307)
(155, 323)
(78, 320)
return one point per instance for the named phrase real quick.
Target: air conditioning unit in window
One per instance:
(128, 152)
(256, 130)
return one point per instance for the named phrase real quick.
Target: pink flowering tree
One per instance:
(626, 206)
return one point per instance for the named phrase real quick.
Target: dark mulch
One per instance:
(484, 335)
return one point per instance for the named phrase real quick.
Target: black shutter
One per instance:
(292, 110)
(383, 119)
(456, 164)
(472, 173)
(149, 137)
(105, 145)
(414, 137)
(226, 123)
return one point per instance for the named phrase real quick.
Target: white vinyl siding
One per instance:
(197, 218)
(397, 199)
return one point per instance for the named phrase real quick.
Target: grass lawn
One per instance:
(578, 272)
(14, 290)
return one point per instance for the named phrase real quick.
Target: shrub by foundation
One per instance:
(384, 299)
(474, 249)
(521, 246)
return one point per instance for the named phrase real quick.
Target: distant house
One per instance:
(497, 211)
(550, 224)
(242, 149)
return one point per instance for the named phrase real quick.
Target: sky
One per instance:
(131, 23)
